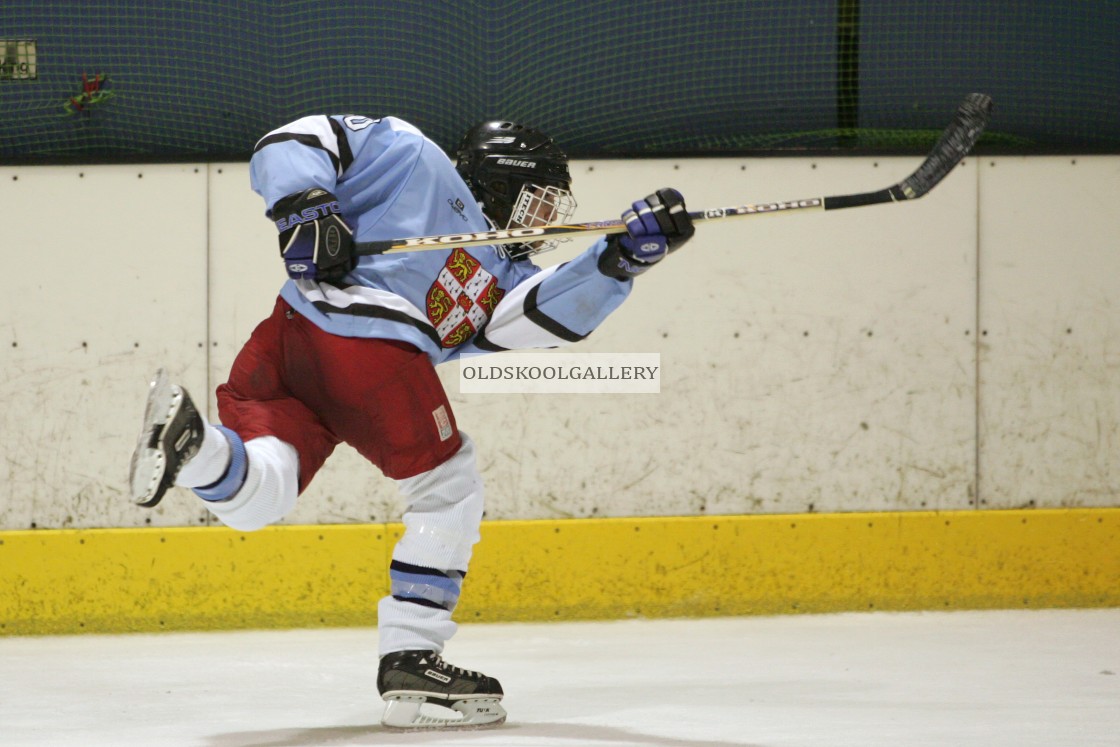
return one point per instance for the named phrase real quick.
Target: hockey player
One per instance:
(349, 354)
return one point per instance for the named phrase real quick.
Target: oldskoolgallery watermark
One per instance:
(561, 373)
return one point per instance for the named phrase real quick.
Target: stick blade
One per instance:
(954, 144)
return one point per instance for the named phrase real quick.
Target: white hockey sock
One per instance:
(444, 513)
(270, 489)
(209, 464)
(441, 526)
(404, 626)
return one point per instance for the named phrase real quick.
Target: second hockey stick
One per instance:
(954, 144)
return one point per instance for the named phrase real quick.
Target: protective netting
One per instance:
(199, 79)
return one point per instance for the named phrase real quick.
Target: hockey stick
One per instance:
(953, 145)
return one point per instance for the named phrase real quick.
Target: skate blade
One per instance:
(147, 465)
(402, 713)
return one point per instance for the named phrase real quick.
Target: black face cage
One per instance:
(524, 201)
(539, 205)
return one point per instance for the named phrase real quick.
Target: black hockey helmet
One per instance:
(518, 175)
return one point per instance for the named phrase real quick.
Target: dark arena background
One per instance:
(87, 81)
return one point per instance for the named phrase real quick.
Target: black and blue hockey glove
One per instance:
(315, 242)
(655, 227)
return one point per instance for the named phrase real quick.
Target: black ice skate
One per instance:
(171, 435)
(409, 679)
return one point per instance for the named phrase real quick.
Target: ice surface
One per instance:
(1049, 678)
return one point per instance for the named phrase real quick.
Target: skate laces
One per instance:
(437, 661)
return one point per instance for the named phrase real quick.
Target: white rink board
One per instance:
(106, 280)
(814, 362)
(1050, 305)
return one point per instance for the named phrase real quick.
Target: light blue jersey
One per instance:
(392, 182)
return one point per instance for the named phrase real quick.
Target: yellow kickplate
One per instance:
(742, 565)
(118, 580)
